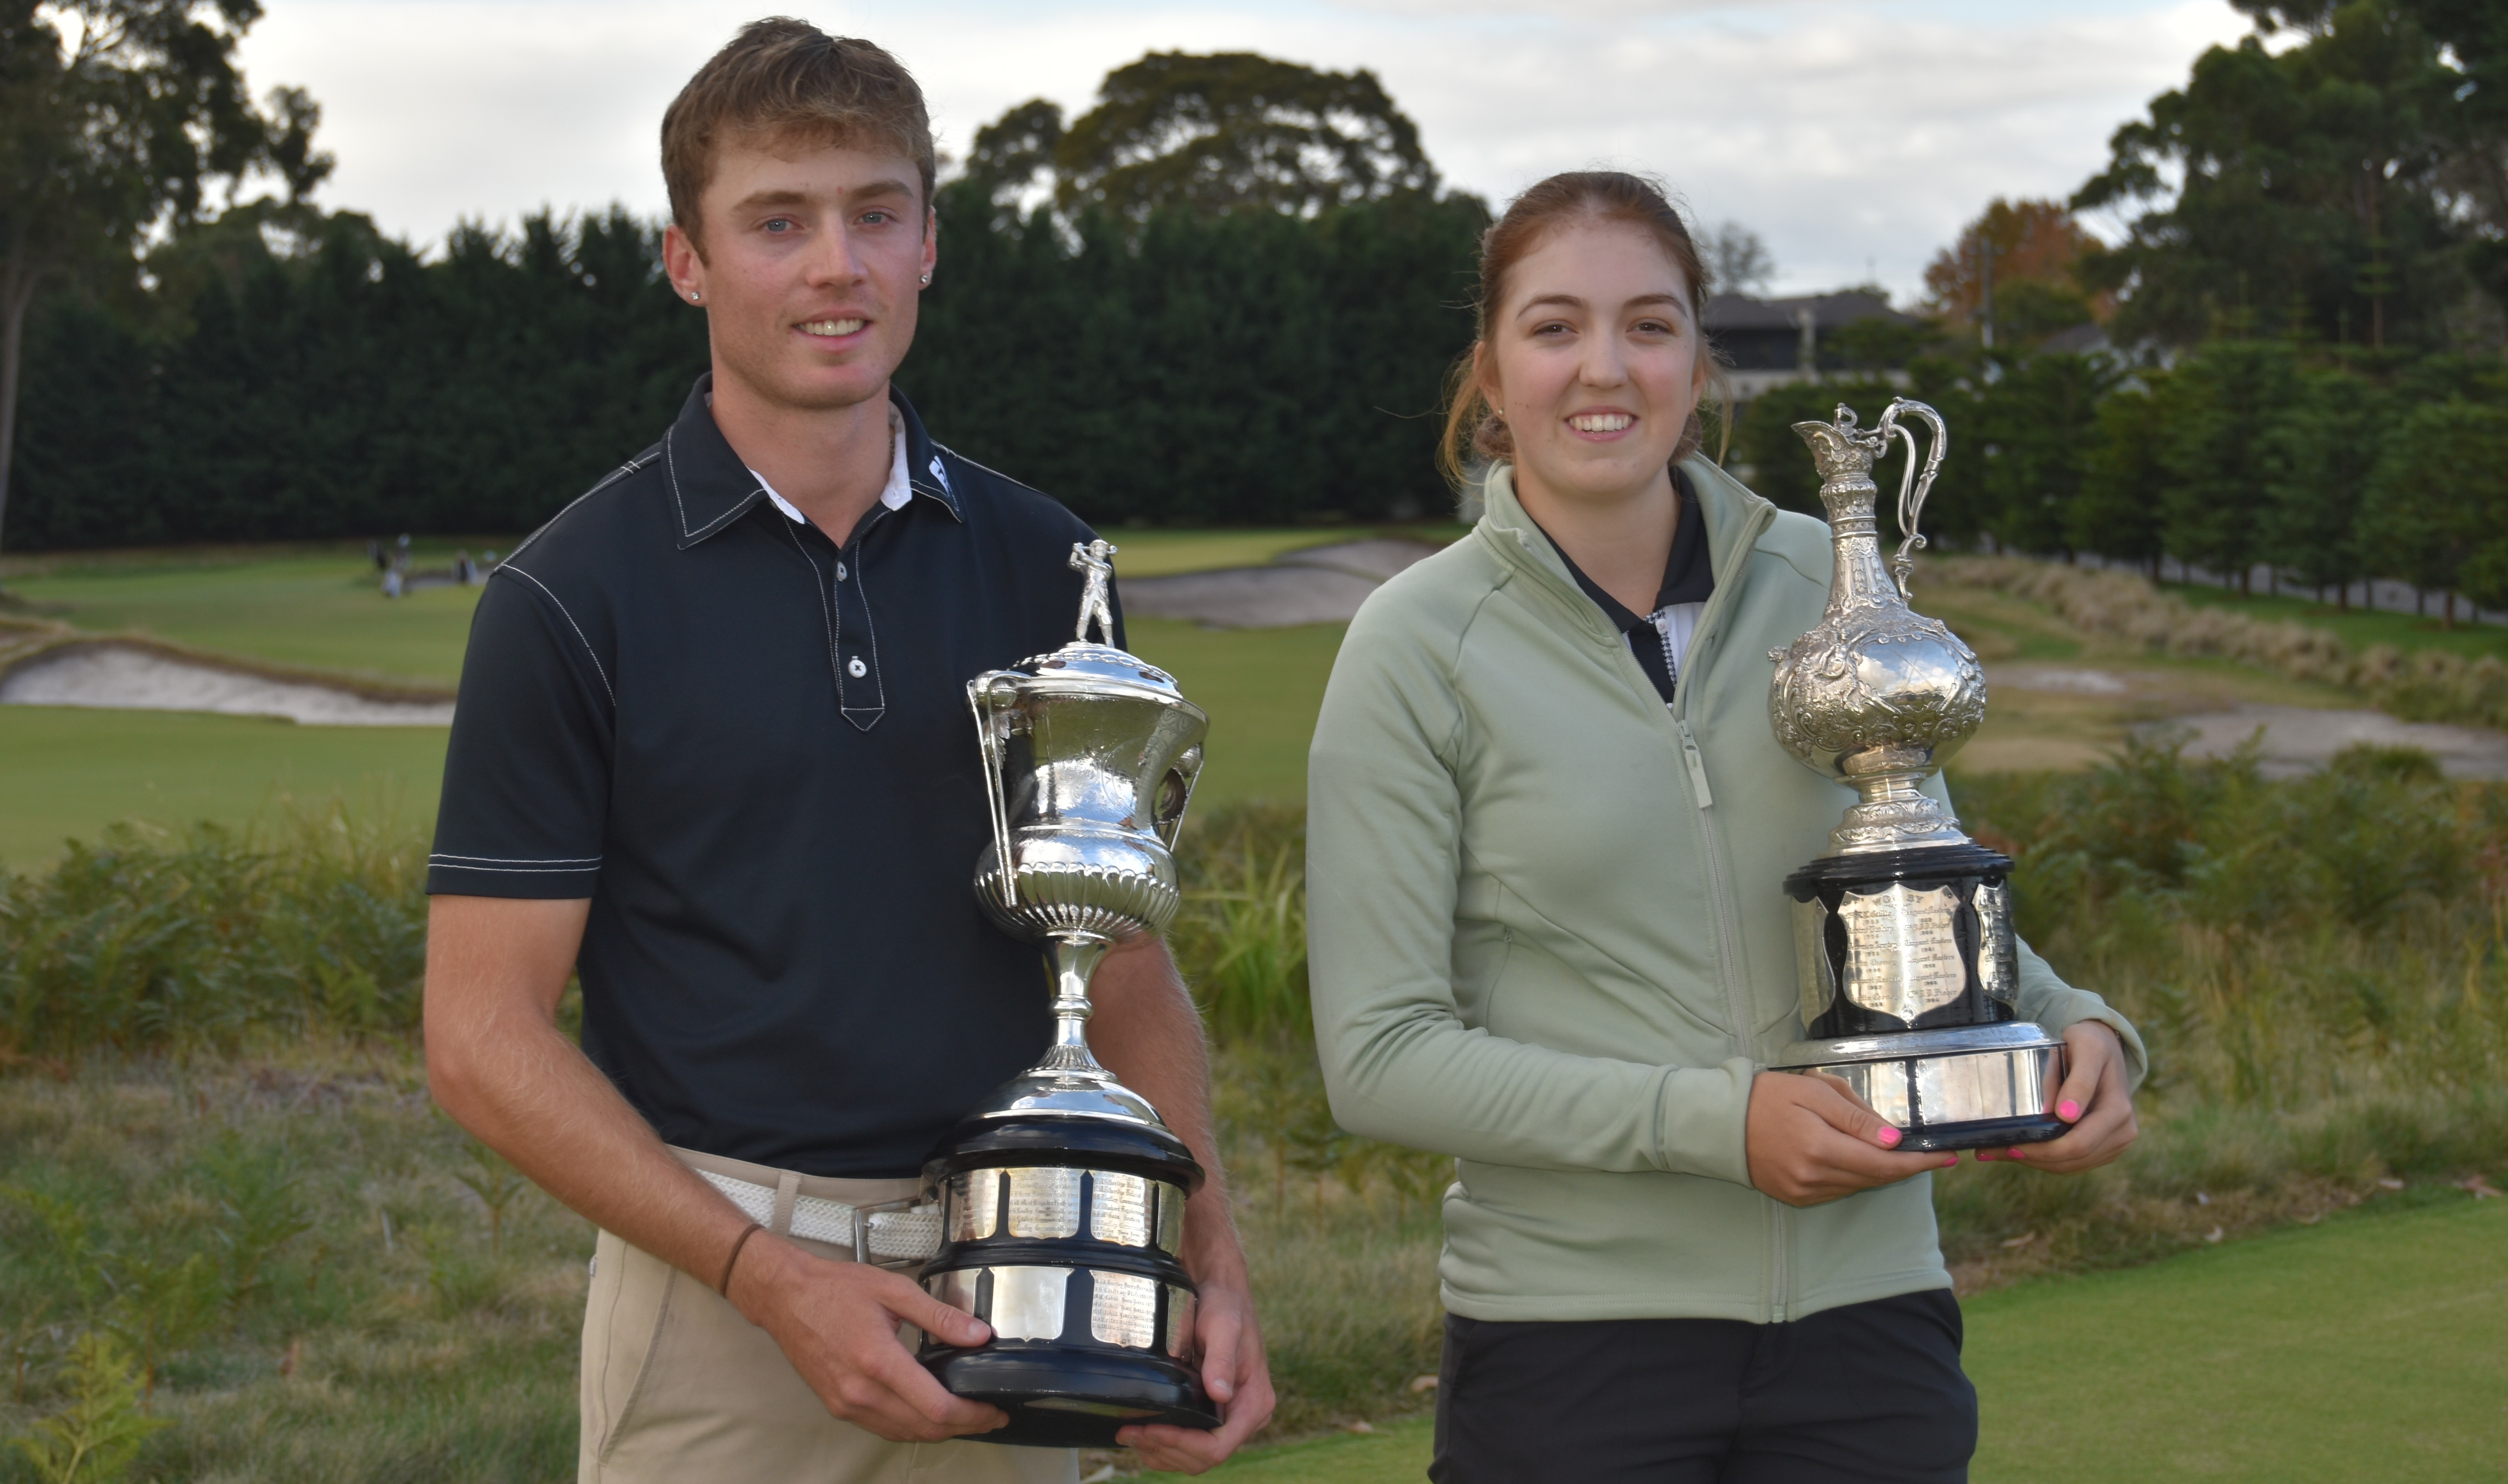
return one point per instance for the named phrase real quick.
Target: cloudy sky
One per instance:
(1856, 135)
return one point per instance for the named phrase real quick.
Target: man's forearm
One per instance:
(499, 1064)
(1149, 1034)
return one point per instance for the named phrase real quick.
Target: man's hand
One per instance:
(836, 1323)
(1810, 1139)
(1233, 1371)
(2094, 1100)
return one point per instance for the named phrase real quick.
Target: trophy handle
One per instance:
(1912, 489)
(1175, 791)
(991, 729)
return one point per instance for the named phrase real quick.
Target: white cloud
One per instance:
(1847, 131)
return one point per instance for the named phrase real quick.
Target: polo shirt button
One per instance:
(856, 668)
(840, 571)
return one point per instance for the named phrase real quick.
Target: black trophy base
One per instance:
(1983, 1134)
(1073, 1398)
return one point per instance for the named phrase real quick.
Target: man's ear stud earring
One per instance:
(927, 281)
(696, 298)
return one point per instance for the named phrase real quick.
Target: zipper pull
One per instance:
(1697, 762)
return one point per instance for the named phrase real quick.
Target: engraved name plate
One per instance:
(1902, 955)
(1123, 1310)
(1819, 980)
(1998, 960)
(975, 1204)
(1170, 1236)
(1045, 1201)
(1119, 1208)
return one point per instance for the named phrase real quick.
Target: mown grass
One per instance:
(73, 772)
(318, 608)
(2359, 627)
(2366, 1348)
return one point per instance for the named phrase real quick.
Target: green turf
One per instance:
(2359, 627)
(2367, 1348)
(320, 610)
(70, 771)
(1262, 688)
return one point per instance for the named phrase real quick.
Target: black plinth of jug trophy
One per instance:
(1072, 1391)
(1965, 868)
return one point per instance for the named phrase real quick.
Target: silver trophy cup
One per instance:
(1063, 1196)
(1902, 934)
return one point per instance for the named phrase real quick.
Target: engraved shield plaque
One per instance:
(1123, 1310)
(1998, 961)
(1902, 958)
(1818, 979)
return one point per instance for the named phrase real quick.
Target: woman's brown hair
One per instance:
(1473, 428)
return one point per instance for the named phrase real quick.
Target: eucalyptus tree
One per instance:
(1235, 131)
(117, 117)
(2299, 172)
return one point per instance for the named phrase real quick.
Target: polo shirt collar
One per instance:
(1688, 575)
(711, 488)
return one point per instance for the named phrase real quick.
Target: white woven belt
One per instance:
(895, 1232)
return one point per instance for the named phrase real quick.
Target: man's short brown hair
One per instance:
(785, 80)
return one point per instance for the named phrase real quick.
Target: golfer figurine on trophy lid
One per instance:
(1902, 933)
(1063, 1196)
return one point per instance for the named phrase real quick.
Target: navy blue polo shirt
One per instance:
(753, 751)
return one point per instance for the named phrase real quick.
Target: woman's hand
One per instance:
(1809, 1140)
(2094, 1100)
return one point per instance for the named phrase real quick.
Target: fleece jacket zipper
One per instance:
(1728, 946)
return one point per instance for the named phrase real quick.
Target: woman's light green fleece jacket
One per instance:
(1549, 935)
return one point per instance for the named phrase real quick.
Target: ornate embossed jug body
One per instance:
(1909, 968)
(1876, 694)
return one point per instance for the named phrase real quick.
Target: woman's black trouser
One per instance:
(1867, 1393)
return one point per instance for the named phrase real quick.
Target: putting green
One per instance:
(320, 610)
(2367, 1348)
(67, 770)
(70, 771)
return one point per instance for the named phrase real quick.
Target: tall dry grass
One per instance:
(216, 1153)
(2421, 685)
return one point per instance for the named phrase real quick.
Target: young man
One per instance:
(713, 753)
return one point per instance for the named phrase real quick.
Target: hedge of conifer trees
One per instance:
(309, 378)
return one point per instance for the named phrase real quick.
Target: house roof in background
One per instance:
(1728, 313)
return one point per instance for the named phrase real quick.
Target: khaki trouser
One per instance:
(680, 1389)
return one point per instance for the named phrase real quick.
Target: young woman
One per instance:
(1548, 826)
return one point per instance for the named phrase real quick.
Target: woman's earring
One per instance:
(927, 281)
(696, 298)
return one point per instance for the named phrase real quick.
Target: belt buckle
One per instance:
(862, 1233)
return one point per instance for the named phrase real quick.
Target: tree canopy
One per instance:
(116, 117)
(1235, 131)
(2331, 187)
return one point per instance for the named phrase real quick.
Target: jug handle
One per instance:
(1911, 488)
(989, 726)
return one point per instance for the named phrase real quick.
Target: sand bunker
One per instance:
(127, 678)
(2298, 739)
(1320, 585)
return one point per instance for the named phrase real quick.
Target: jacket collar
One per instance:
(711, 488)
(1735, 517)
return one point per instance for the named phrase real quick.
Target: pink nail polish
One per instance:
(2019, 1154)
(1889, 1137)
(1948, 1160)
(2069, 1110)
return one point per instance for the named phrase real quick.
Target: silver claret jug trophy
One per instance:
(1902, 932)
(1063, 1196)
